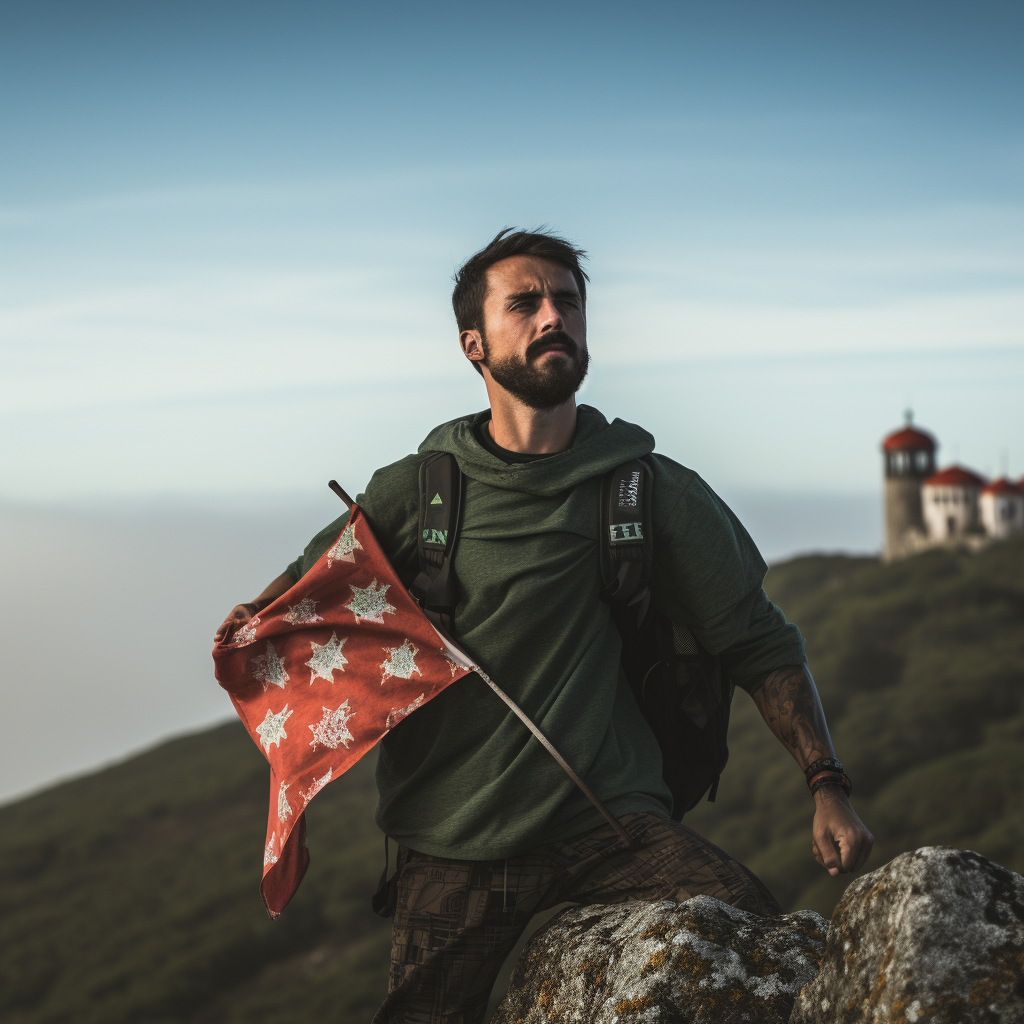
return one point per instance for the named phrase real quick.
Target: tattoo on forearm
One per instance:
(788, 702)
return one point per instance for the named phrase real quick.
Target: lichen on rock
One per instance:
(701, 961)
(936, 935)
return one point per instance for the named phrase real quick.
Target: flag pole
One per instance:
(340, 492)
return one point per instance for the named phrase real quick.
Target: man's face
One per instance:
(534, 337)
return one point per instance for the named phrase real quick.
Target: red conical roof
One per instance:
(1003, 486)
(955, 476)
(909, 437)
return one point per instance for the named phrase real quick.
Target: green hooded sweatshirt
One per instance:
(462, 777)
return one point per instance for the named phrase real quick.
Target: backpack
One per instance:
(678, 685)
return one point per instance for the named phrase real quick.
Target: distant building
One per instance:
(950, 502)
(909, 461)
(925, 508)
(1002, 508)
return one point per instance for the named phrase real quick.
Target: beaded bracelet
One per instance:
(823, 764)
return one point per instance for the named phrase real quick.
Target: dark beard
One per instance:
(541, 387)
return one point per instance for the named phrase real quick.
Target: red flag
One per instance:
(320, 675)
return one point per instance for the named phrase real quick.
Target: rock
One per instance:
(702, 962)
(936, 935)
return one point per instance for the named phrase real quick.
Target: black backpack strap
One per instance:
(626, 539)
(385, 900)
(435, 586)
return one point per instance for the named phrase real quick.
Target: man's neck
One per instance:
(519, 428)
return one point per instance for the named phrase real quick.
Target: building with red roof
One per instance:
(950, 504)
(1001, 506)
(926, 507)
(909, 455)
(956, 476)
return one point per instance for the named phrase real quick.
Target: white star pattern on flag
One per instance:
(345, 547)
(283, 807)
(370, 603)
(401, 662)
(332, 730)
(247, 633)
(269, 857)
(303, 612)
(397, 714)
(269, 668)
(318, 784)
(271, 729)
(326, 658)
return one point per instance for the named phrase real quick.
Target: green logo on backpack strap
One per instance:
(624, 532)
(438, 537)
(436, 500)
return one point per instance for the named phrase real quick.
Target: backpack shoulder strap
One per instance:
(441, 487)
(627, 538)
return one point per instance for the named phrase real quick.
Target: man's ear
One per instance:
(472, 345)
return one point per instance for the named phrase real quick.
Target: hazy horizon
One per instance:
(140, 590)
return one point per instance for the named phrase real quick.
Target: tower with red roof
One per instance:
(909, 456)
(954, 507)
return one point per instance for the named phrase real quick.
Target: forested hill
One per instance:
(131, 895)
(920, 666)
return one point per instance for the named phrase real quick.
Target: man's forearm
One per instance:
(788, 701)
(273, 591)
(242, 613)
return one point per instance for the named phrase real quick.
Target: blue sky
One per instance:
(227, 235)
(229, 227)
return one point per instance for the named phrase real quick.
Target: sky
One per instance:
(228, 224)
(228, 232)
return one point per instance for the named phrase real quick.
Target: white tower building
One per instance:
(1001, 506)
(950, 504)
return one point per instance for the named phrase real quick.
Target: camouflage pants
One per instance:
(457, 920)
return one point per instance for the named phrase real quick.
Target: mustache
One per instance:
(542, 344)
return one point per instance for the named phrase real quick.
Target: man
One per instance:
(490, 828)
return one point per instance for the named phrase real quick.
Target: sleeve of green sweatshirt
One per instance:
(316, 547)
(391, 504)
(708, 573)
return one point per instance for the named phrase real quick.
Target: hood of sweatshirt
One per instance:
(597, 447)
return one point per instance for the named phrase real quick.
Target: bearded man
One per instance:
(491, 830)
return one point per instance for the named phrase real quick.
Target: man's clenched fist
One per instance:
(238, 616)
(841, 842)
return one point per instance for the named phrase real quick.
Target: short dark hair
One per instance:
(471, 278)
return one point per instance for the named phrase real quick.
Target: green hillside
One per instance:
(920, 665)
(131, 895)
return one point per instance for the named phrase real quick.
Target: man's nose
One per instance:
(550, 318)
